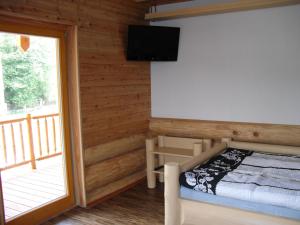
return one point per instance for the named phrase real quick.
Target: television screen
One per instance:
(152, 43)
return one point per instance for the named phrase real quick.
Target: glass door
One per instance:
(35, 160)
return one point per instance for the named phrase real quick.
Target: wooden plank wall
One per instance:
(114, 93)
(251, 132)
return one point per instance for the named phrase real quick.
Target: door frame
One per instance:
(29, 27)
(2, 216)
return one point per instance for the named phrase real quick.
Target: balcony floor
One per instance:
(25, 189)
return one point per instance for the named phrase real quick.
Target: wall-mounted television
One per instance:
(152, 43)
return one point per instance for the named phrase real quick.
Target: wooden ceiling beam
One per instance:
(239, 5)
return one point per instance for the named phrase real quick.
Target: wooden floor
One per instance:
(137, 206)
(25, 189)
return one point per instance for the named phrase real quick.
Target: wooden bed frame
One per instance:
(180, 211)
(165, 149)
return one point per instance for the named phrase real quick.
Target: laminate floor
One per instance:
(137, 206)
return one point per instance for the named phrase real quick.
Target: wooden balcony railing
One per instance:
(28, 139)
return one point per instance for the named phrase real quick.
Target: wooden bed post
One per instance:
(161, 158)
(226, 141)
(172, 205)
(151, 178)
(207, 144)
(198, 148)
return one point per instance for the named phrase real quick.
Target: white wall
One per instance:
(242, 66)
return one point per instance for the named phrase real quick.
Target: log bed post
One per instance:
(150, 146)
(173, 211)
(207, 144)
(198, 148)
(161, 158)
(172, 205)
(226, 141)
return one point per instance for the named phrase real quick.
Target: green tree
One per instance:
(24, 73)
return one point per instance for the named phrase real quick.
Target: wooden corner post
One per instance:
(30, 141)
(151, 178)
(172, 205)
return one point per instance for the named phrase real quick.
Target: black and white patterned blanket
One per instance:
(259, 177)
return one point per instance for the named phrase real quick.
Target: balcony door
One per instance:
(35, 161)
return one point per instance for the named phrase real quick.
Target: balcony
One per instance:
(31, 162)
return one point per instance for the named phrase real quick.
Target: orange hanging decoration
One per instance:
(24, 43)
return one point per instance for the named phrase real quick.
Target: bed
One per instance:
(235, 183)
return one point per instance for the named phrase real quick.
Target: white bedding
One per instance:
(264, 178)
(256, 177)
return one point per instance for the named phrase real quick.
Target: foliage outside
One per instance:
(29, 77)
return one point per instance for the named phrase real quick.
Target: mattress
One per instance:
(247, 176)
(187, 193)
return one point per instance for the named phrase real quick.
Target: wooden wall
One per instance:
(114, 93)
(251, 132)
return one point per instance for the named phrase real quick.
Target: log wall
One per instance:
(238, 131)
